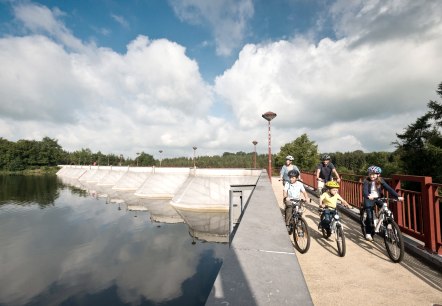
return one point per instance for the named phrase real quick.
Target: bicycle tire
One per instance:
(301, 236)
(394, 242)
(340, 241)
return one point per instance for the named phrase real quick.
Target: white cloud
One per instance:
(39, 19)
(121, 20)
(335, 86)
(351, 93)
(227, 19)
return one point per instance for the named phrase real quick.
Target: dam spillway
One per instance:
(209, 201)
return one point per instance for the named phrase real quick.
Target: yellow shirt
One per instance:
(330, 201)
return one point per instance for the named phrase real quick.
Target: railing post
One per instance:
(398, 212)
(428, 214)
(361, 193)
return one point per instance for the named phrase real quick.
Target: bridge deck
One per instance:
(366, 275)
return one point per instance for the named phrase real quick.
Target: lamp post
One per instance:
(161, 151)
(138, 154)
(121, 158)
(269, 116)
(194, 152)
(254, 153)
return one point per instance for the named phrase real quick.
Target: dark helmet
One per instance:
(294, 173)
(326, 157)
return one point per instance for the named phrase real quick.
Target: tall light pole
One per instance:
(138, 154)
(161, 151)
(194, 152)
(121, 157)
(254, 153)
(269, 116)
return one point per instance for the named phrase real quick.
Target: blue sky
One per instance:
(130, 76)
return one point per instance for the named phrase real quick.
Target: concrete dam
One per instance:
(209, 201)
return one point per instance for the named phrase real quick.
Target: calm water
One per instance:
(60, 246)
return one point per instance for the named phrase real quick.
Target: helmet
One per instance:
(294, 173)
(289, 157)
(332, 184)
(326, 157)
(374, 169)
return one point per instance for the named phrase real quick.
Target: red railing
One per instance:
(419, 215)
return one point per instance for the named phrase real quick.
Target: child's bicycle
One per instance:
(385, 226)
(335, 227)
(298, 226)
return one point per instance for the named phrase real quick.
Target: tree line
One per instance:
(418, 152)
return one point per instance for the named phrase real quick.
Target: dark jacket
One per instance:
(367, 189)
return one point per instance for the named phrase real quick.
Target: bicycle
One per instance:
(335, 227)
(298, 226)
(384, 225)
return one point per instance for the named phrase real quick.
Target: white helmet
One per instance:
(289, 157)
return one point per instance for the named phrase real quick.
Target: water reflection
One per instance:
(22, 189)
(82, 251)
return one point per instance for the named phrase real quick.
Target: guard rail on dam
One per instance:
(418, 216)
(212, 202)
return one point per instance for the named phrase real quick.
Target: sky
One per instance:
(147, 75)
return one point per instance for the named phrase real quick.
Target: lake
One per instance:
(61, 246)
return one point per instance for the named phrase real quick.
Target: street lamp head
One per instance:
(194, 148)
(161, 151)
(255, 142)
(269, 116)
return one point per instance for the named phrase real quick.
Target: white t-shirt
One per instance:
(373, 191)
(294, 190)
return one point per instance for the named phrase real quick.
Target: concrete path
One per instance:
(366, 275)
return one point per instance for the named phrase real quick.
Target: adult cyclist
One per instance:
(284, 173)
(325, 171)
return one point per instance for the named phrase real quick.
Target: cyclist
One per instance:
(325, 171)
(372, 190)
(283, 174)
(329, 200)
(292, 190)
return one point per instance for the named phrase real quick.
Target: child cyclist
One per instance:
(372, 190)
(292, 190)
(329, 200)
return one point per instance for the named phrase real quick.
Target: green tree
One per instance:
(420, 146)
(304, 152)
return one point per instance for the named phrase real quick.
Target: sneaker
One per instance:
(368, 237)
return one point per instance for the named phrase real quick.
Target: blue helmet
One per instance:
(374, 169)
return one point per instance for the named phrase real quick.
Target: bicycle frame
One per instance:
(384, 215)
(335, 220)
(298, 208)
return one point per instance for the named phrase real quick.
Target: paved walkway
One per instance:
(366, 275)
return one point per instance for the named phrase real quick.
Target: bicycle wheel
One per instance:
(301, 237)
(340, 241)
(394, 243)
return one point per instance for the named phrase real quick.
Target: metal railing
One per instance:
(418, 216)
